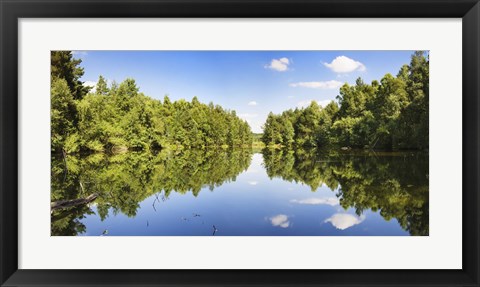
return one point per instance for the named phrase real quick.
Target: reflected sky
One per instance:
(249, 204)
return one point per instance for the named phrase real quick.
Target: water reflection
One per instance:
(395, 184)
(332, 201)
(123, 181)
(280, 220)
(277, 192)
(343, 221)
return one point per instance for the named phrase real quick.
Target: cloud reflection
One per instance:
(280, 220)
(343, 221)
(332, 201)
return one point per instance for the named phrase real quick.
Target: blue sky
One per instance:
(252, 83)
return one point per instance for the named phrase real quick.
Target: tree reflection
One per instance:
(395, 184)
(122, 181)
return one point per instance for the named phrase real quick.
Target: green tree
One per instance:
(307, 125)
(64, 66)
(62, 113)
(101, 87)
(412, 129)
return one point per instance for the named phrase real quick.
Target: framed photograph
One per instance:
(237, 143)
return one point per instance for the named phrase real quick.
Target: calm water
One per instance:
(241, 192)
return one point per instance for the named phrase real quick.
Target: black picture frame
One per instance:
(11, 11)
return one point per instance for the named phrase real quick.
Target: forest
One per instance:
(391, 115)
(119, 117)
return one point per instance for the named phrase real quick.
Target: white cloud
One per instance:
(252, 103)
(290, 97)
(319, 85)
(280, 220)
(343, 221)
(344, 64)
(280, 65)
(253, 182)
(91, 84)
(332, 201)
(306, 103)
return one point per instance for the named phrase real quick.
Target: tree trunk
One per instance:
(61, 204)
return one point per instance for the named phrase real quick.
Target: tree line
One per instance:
(118, 116)
(391, 114)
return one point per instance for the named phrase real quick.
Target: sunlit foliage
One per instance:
(119, 116)
(391, 114)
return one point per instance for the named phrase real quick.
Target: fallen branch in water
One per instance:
(74, 202)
